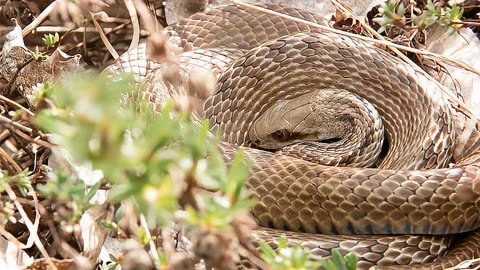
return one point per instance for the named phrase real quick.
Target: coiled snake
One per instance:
(399, 173)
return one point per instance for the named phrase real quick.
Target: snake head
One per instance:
(314, 124)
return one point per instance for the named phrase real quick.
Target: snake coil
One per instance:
(375, 137)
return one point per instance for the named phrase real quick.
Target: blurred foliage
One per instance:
(293, 257)
(150, 158)
(339, 262)
(285, 257)
(61, 187)
(20, 180)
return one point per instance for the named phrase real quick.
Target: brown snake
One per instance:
(284, 86)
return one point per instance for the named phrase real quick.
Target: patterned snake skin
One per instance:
(415, 200)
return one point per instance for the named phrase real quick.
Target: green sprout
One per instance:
(293, 257)
(38, 55)
(428, 17)
(20, 180)
(286, 257)
(392, 14)
(50, 40)
(339, 262)
(41, 91)
(453, 16)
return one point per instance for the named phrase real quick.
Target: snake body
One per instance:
(403, 189)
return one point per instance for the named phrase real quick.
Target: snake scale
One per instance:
(389, 163)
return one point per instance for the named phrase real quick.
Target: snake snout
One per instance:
(325, 126)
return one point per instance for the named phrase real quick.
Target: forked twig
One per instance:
(16, 104)
(8, 121)
(32, 227)
(103, 37)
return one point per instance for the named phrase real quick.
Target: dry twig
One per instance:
(152, 249)
(32, 26)
(11, 102)
(104, 38)
(32, 227)
(136, 26)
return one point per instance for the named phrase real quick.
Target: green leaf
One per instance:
(339, 262)
(268, 254)
(50, 40)
(391, 14)
(351, 261)
(286, 257)
(432, 9)
(237, 174)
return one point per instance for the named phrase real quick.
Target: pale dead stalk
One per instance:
(8, 121)
(12, 238)
(32, 227)
(10, 160)
(152, 249)
(60, 29)
(16, 104)
(104, 38)
(29, 28)
(149, 21)
(4, 135)
(468, 264)
(132, 12)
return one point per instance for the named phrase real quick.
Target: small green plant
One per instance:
(339, 262)
(292, 257)
(38, 55)
(286, 257)
(20, 180)
(65, 188)
(50, 40)
(452, 17)
(394, 13)
(428, 17)
(41, 91)
(7, 211)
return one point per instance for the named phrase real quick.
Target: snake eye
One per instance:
(281, 135)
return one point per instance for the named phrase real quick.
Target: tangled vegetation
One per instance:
(394, 14)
